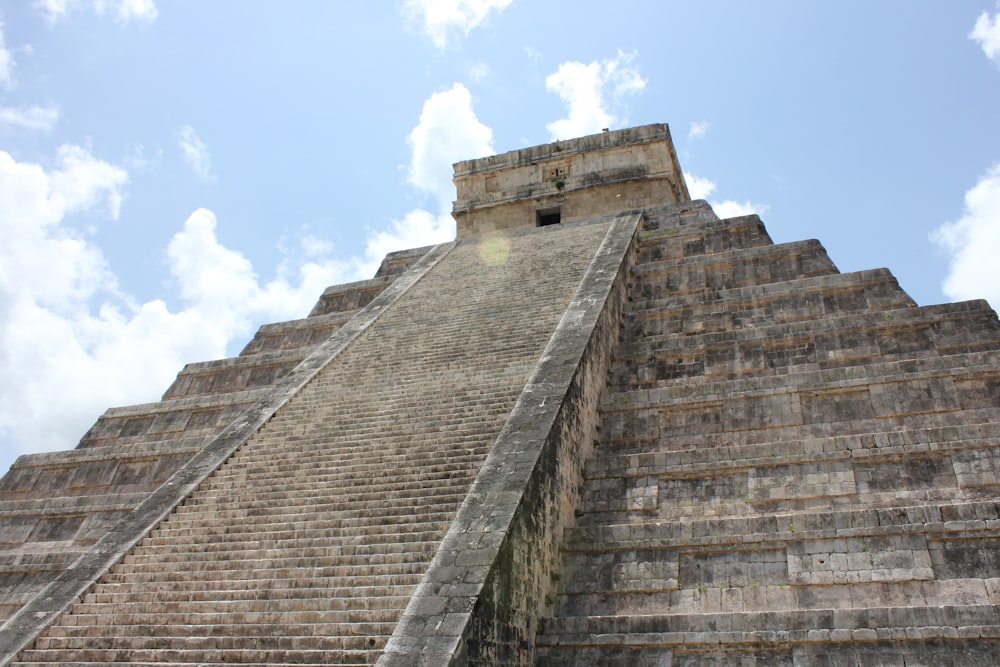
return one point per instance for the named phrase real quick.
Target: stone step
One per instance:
(133, 620)
(185, 430)
(279, 642)
(416, 532)
(954, 325)
(973, 370)
(362, 445)
(184, 416)
(660, 595)
(352, 659)
(806, 299)
(957, 554)
(849, 441)
(889, 648)
(380, 422)
(418, 529)
(650, 532)
(347, 574)
(770, 477)
(270, 636)
(337, 514)
(313, 604)
(848, 340)
(419, 490)
(274, 559)
(248, 589)
(12, 563)
(23, 512)
(131, 468)
(290, 482)
(350, 296)
(284, 555)
(659, 240)
(680, 216)
(829, 490)
(141, 451)
(198, 656)
(860, 624)
(707, 274)
(722, 427)
(347, 468)
(80, 483)
(257, 600)
(296, 334)
(353, 452)
(395, 263)
(340, 544)
(234, 374)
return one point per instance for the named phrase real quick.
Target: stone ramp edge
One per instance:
(48, 604)
(495, 568)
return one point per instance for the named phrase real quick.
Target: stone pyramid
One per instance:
(601, 427)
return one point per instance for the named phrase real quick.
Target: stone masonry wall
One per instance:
(481, 599)
(796, 467)
(597, 175)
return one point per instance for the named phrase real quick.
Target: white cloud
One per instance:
(702, 188)
(82, 182)
(137, 160)
(448, 131)
(123, 10)
(698, 187)
(72, 344)
(441, 17)
(479, 71)
(47, 276)
(6, 63)
(31, 118)
(195, 153)
(973, 243)
(418, 228)
(593, 94)
(698, 129)
(730, 208)
(220, 284)
(987, 33)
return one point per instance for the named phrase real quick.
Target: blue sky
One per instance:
(173, 174)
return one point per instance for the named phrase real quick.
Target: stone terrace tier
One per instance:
(55, 506)
(796, 466)
(306, 545)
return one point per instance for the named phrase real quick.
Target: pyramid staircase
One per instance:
(795, 467)
(55, 506)
(305, 545)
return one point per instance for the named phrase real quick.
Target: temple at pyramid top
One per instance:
(568, 180)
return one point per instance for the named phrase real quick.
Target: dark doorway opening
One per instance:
(549, 216)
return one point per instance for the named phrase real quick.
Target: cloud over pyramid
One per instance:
(602, 426)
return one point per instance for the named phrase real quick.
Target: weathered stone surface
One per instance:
(797, 468)
(602, 174)
(641, 435)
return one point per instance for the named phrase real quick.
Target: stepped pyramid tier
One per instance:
(603, 426)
